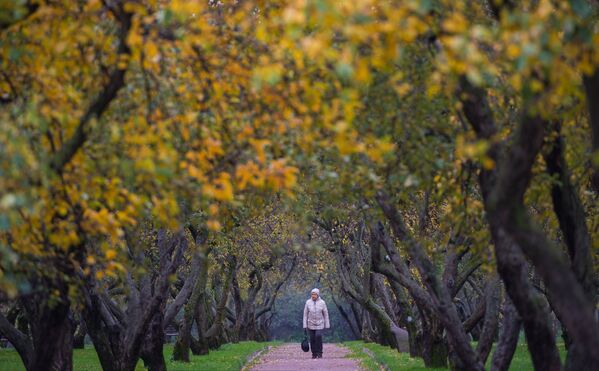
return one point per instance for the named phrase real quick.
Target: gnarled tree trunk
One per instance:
(119, 336)
(434, 346)
(491, 321)
(512, 228)
(184, 340)
(508, 338)
(152, 349)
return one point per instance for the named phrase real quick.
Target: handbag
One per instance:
(305, 342)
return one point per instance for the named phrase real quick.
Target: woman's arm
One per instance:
(306, 315)
(325, 313)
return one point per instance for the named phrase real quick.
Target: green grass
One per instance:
(401, 361)
(384, 356)
(229, 357)
(522, 361)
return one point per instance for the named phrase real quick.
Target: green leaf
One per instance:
(581, 8)
(344, 70)
(425, 6)
(4, 222)
(361, 18)
(14, 54)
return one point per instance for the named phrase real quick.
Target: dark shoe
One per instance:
(314, 356)
(319, 355)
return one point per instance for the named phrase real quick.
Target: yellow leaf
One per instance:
(213, 225)
(513, 51)
(221, 189)
(110, 254)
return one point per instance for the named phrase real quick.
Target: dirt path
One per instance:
(289, 357)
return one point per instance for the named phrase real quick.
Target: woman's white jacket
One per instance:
(316, 315)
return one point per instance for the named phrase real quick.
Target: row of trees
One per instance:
(160, 161)
(129, 150)
(488, 192)
(210, 290)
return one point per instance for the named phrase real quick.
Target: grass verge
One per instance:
(229, 357)
(382, 356)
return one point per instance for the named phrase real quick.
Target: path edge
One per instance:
(252, 358)
(370, 353)
(381, 365)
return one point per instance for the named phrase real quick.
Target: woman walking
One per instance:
(316, 319)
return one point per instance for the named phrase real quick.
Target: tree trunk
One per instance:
(361, 289)
(347, 319)
(572, 221)
(405, 318)
(79, 336)
(434, 347)
(202, 345)
(19, 340)
(381, 291)
(571, 216)
(511, 263)
(529, 303)
(508, 339)
(591, 86)
(367, 331)
(184, 341)
(399, 274)
(442, 301)
(489, 332)
(152, 350)
(357, 314)
(94, 322)
(120, 336)
(475, 317)
(393, 334)
(52, 333)
(214, 334)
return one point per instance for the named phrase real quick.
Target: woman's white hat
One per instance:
(315, 291)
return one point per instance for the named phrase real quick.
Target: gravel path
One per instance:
(289, 357)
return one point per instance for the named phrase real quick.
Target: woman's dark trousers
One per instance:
(316, 342)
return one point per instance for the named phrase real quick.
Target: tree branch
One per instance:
(501, 200)
(115, 82)
(571, 215)
(444, 306)
(591, 86)
(185, 292)
(19, 340)
(508, 338)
